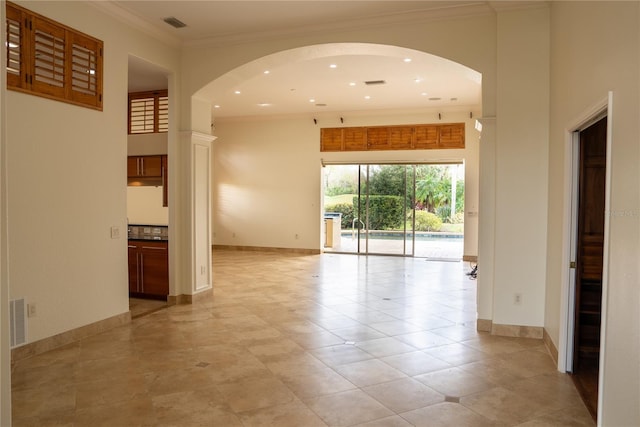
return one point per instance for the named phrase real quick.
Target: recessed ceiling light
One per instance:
(367, 97)
(333, 66)
(352, 83)
(216, 106)
(266, 72)
(312, 100)
(424, 94)
(417, 80)
(407, 59)
(264, 104)
(237, 92)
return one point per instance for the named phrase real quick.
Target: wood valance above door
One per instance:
(400, 137)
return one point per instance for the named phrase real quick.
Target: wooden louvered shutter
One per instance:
(84, 69)
(163, 114)
(15, 66)
(49, 57)
(141, 115)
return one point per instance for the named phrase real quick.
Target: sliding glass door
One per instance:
(390, 209)
(373, 205)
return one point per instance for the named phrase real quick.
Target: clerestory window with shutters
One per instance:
(148, 112)
(49, 59)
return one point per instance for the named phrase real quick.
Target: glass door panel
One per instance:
(394, 209)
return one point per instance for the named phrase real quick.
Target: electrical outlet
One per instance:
(517, 299)
(31, 310)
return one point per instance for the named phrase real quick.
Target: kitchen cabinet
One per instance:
(165, 182)
(144, 167)
(149, 269)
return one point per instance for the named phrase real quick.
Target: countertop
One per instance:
(147, 237)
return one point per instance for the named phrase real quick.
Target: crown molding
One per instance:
(134, 21)
(452, 11)
(510, 5)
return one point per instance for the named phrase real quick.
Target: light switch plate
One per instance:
(115, 232)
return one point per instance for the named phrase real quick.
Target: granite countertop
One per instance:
(143, 232)
(145, 237)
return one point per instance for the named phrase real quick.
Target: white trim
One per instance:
(596, 112)
(605, 258)
(588, 117)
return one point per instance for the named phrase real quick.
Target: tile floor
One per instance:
(293, 340)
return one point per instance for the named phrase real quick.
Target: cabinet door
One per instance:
(151, 166)
(133, 268)
(154, 268)
(132, 166)
(165, 182)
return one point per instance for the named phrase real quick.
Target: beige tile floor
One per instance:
(293, 340)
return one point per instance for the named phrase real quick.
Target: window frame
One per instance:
(57, 74)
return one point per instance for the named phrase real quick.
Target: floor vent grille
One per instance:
(18, 321)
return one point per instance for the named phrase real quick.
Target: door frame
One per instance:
(567, 295)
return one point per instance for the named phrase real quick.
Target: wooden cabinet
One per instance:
(144, 167)
(402, 137)
(165, 182)
(149, 269)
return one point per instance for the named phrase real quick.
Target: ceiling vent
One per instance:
(375, 82)
(175, 22)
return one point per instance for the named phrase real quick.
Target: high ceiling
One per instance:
(425, 81)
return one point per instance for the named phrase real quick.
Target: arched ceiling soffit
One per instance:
(343, 77)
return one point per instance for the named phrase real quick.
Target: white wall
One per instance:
(267, 175)
(67, 185)
(521, 167)
(596, 49)
(147, 144)
(5, 353)
(144, 206)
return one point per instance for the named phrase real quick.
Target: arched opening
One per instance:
(267, 115)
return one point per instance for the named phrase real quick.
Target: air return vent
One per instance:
(18, 321)
(175, 22)
(375, 82)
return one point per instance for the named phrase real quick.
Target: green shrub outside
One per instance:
(385, 212)
(427, 221)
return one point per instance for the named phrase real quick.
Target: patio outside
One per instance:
(377, 209)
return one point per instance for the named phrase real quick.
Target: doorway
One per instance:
(589, 259)
(413, 210)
